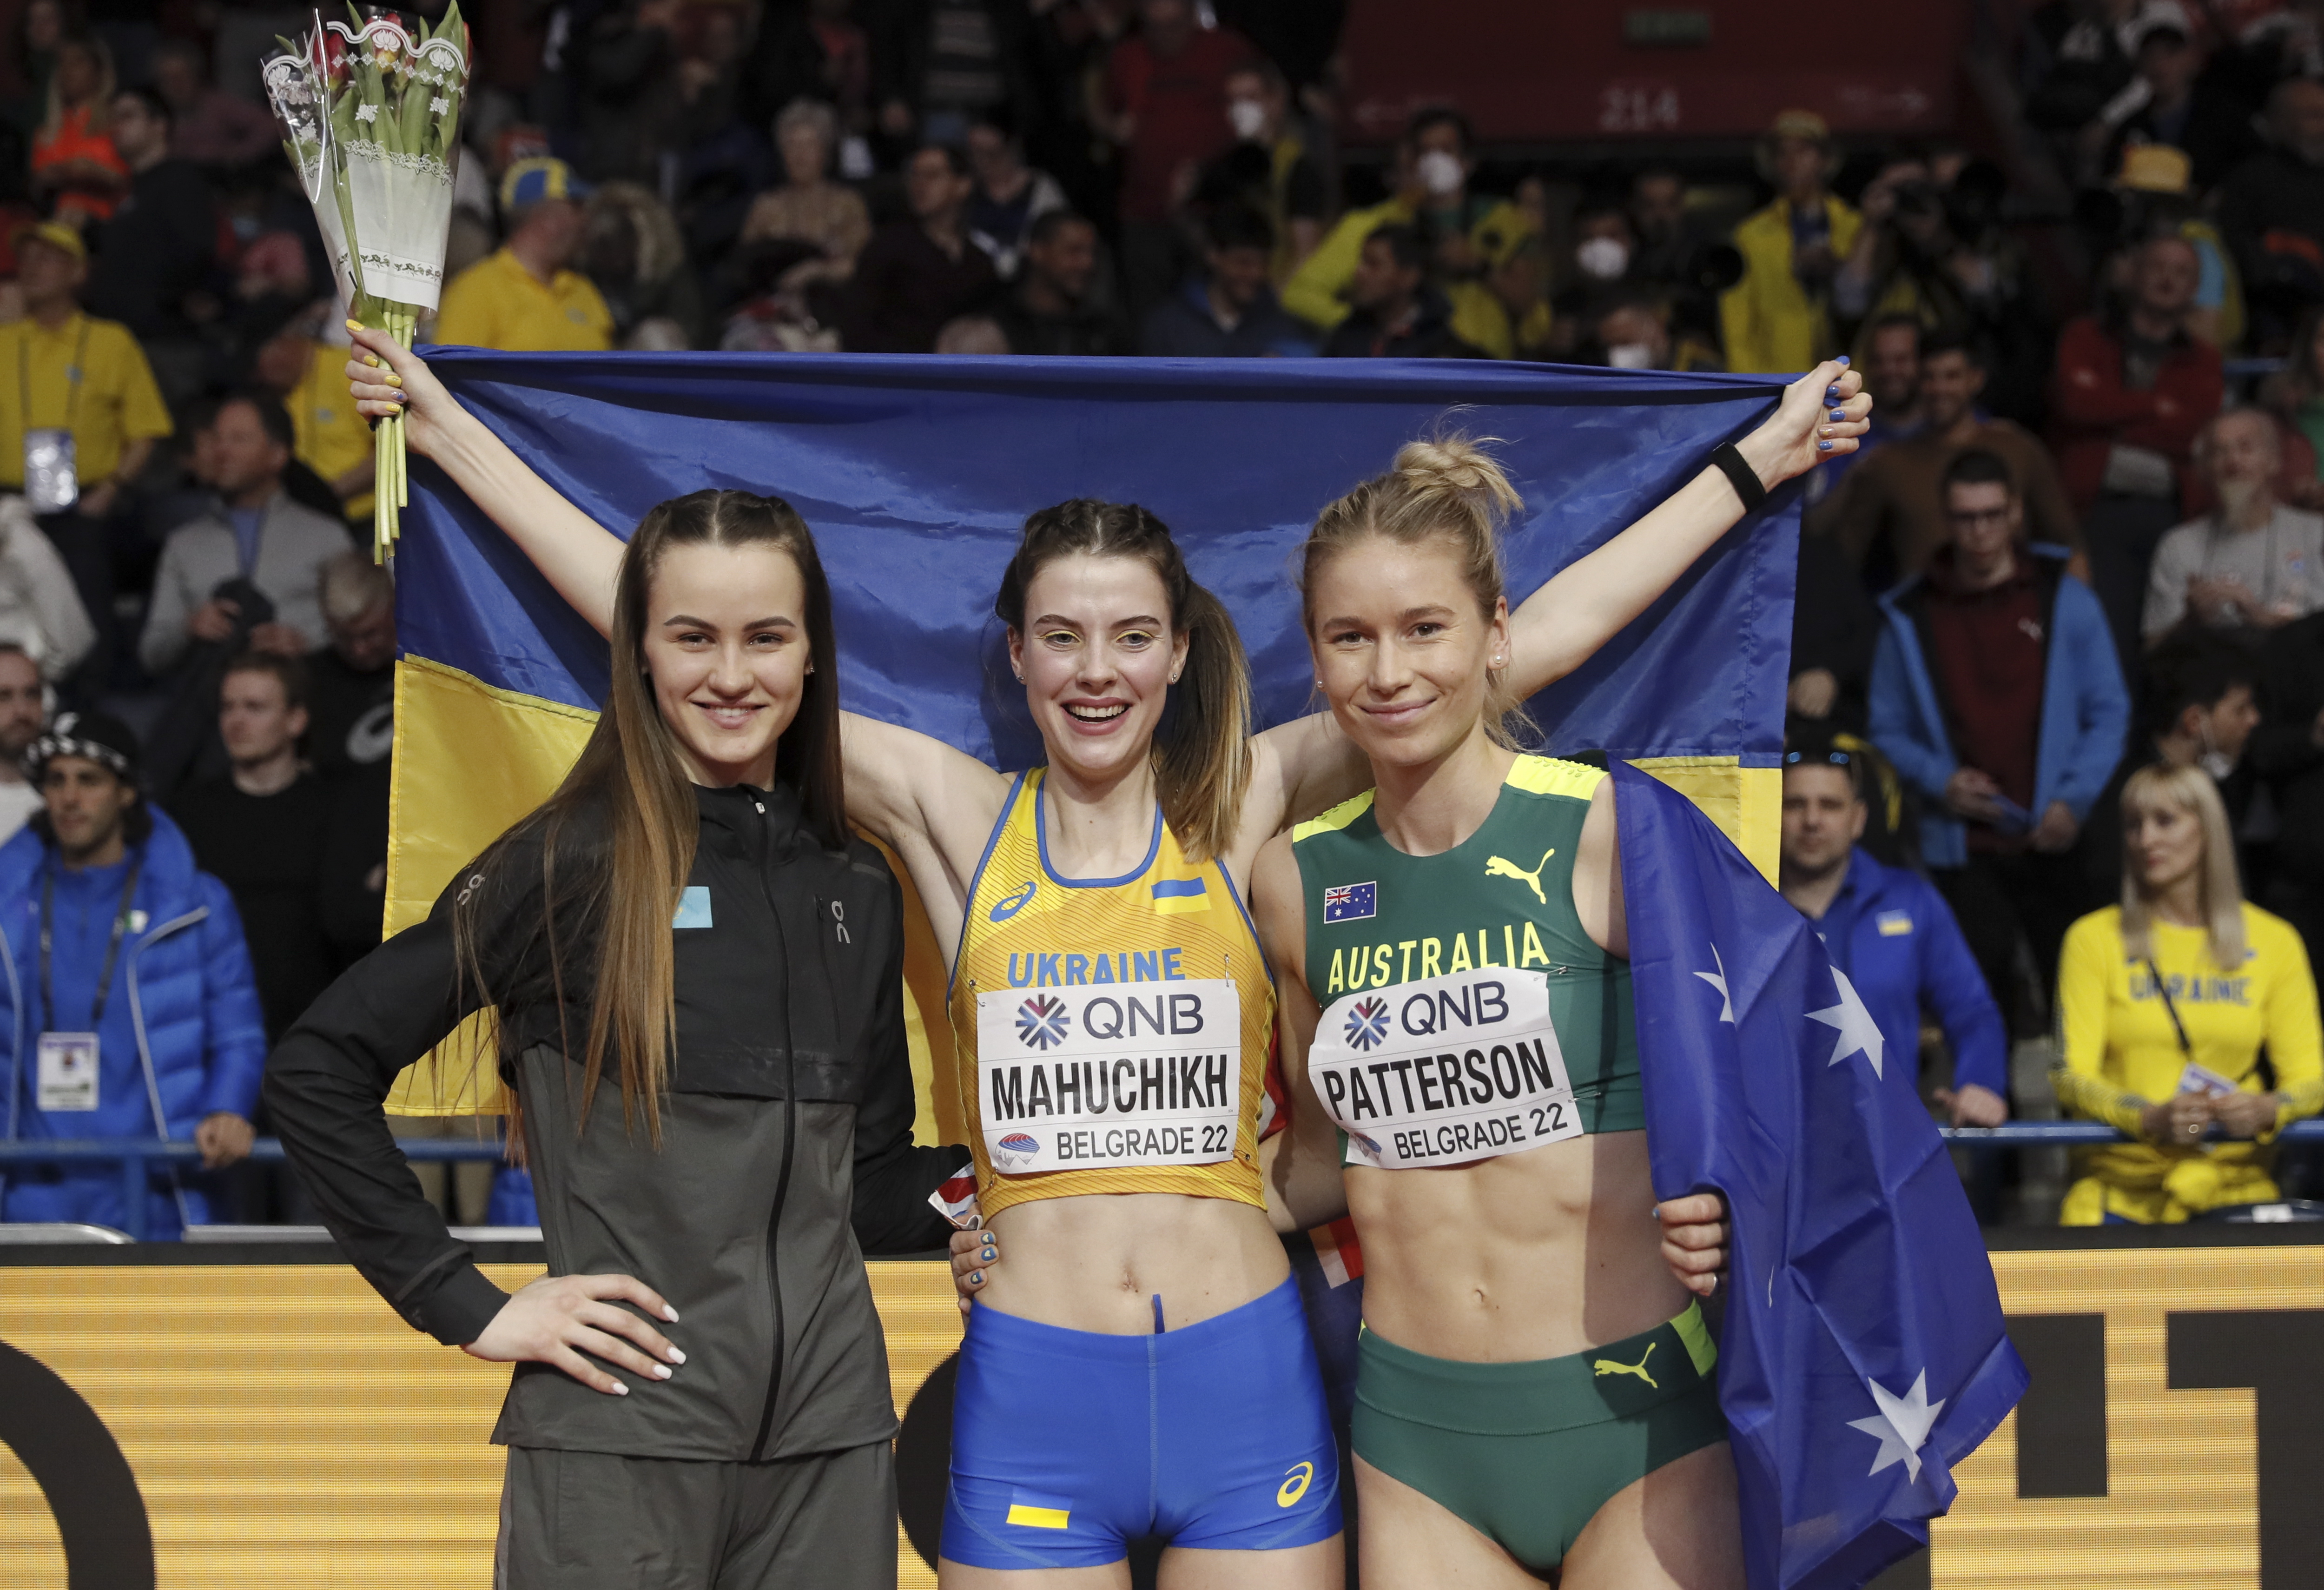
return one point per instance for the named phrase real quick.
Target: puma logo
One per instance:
(1605, 1366)
(1495, 867)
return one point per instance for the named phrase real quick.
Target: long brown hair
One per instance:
(2219, 889)
(1201, 752)
(1451, 490)
(617, 838)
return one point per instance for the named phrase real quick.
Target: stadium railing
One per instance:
(135, 1154)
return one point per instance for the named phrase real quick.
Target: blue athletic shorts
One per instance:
(1067, 1444)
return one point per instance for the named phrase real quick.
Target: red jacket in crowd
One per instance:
(2090, 409)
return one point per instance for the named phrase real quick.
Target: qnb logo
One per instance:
(1368, 1022)
(1042, 1021)
(1009, 905)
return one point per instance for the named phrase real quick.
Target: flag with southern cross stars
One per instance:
(1862, 1354)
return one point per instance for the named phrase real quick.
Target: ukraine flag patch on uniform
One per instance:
(1035, 1509)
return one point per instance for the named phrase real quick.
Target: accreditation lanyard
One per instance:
(111, 948)
(74, 374)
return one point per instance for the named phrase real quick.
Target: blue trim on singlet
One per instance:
(1252, 928)
(1041, 838)
(991, 843)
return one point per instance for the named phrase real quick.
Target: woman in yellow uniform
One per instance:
(2164, 1004)
(1101, 964)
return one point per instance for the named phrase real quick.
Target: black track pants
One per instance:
(592, 1520)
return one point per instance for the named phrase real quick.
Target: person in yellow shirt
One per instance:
(521, 297)
(1433, 166)
(63, 371)
(2164, 1003)
(1778, 317)
(308, 374)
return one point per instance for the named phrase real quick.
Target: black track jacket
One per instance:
(786, 1150)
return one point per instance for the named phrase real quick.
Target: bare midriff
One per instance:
(1096, 1262)
(1528, 1256)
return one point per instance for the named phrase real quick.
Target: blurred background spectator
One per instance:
(1889, 930)
(1996, 693)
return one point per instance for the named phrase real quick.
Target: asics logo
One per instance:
(1605, 1366)
(1009, 905)
(1495, 867)
(1295, 1486)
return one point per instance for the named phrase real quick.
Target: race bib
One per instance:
(1110, 1075)
(67, 1071)
(1443, 1070)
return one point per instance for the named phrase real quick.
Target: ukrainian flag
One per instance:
(916, 474)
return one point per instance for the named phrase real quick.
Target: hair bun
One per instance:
(1456, 465)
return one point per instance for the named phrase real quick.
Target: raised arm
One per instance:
(1561, 626)
(934, 806)
(1306, 765)
(580, 556)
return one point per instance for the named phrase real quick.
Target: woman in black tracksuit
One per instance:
(702, 1395)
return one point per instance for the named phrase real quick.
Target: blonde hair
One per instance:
(2219, 890)
(1447, 489)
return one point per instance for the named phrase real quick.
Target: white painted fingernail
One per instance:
(663, 1370)
(620, 1390)
(676, 1356)
(669, 1313)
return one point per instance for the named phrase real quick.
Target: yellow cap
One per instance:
(1803, 124)
(55, 234)
(2155, 167)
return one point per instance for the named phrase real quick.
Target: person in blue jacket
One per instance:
(1997, 694)
(1889, 931)
(127, 988)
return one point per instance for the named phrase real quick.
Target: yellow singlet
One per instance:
(1106, 1004)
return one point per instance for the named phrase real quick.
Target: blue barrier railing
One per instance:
(135, 1154)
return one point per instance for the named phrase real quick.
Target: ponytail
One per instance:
(1449, 490)
(1201, 752)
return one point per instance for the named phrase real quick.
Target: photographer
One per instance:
(1933, 247)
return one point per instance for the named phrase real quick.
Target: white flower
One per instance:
(366, 113)
(440, 104)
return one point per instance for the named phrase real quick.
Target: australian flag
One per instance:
(1862, 1354)
(1348, 902)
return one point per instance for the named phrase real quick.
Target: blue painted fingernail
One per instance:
(1843, 358)
(976, 1278)
(1823, 446)
(1832, 393)
(1839, 414)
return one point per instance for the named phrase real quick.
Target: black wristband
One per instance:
(1739, 474)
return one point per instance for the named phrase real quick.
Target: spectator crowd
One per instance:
(2083, 542)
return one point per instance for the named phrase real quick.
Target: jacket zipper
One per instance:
(783, 1177)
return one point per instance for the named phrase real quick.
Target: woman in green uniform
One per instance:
(1534, 1395)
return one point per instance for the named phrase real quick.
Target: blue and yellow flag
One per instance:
(916, 474)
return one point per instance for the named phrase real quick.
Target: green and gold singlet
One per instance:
(1466, 1013)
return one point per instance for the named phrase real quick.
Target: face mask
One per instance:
(1603, 259)
(1439, 173)
(1248, 117)
(1631, 356)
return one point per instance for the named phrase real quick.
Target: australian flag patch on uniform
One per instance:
(1349, 902)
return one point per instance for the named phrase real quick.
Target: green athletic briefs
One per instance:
(1529, 1452)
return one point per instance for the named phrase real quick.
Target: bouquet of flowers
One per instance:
(371, 108)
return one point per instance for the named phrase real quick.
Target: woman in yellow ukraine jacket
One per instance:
(2164, 1003)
